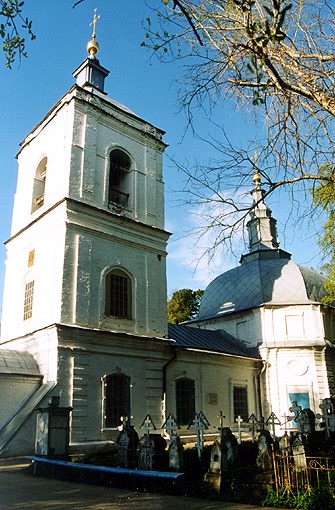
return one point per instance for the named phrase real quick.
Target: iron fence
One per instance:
(299, 473)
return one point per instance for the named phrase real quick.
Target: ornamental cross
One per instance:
(199, 424)
(148, 424)
(295, 409)
(171, 426)
(327, 410)
(94, 23)
(239, 431)
(273, 421)
(254, 424)
(221, 418)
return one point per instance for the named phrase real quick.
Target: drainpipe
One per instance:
(259, 386)
(165, 367)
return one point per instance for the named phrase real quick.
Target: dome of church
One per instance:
(276, 281)
(17, 362)
(267, 275)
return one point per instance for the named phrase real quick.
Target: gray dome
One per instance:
(278, 281)
(17, 362)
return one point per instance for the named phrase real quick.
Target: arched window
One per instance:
(117, 399)
(39, 185)
(119, 178)
(185, 400)
(118, 294)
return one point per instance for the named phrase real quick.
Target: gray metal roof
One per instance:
(17, 362)
(263, 281)
(219, 341)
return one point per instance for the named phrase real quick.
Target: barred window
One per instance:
(117, 399)
(240, 396)
(118, 294)
(28, 300)
(185, 400)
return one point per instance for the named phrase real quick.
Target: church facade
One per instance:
(84, 309)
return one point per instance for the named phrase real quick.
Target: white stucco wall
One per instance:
(46, 238)
(214, 376)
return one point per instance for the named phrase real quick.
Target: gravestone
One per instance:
(146, 452)
(224, 454)
(176, 454)
(126, 443)
(306, 422)
(229, 446)
(298, 453)
(264, 457)
(284, 444)
(122, 443)
(175, 448)
(151, 447)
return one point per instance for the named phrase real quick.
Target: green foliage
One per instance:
(10, 32)
(184, 305)
(314, 498)
(324, 197)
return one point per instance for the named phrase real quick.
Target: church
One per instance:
(84, 307)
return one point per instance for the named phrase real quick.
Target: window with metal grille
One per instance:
(117, 399)
(240, 394)
(185, 400)
(118, 294)
(28, 300)
(118, 188)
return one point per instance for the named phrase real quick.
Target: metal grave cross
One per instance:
(221, 418)
(273, 421)
(148, 424)
(295, 409)
(239, 421)
(199, 424)
(327, 413)
(170, 425)
(254, 425)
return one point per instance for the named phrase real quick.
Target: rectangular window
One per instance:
(116, 399)
(28, 300)
(240, 396)
(185, 400)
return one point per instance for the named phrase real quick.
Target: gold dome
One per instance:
(257, 178)
(92, 47)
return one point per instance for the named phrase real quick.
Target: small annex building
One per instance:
(273, 305)
(86, 267)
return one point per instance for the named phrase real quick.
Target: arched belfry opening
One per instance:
(39, 185)
(119, 185)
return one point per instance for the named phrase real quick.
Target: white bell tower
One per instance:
(87, 245)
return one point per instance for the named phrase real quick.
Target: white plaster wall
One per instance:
(95, 134)
(88, 257)
(214, 374)
(245, 326)
(291, 371)
(293, 326)
(15, 389)
(53, 140)
(47, 238)
(140, 359)
(43, 346)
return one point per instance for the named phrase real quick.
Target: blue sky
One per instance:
(147, 87)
